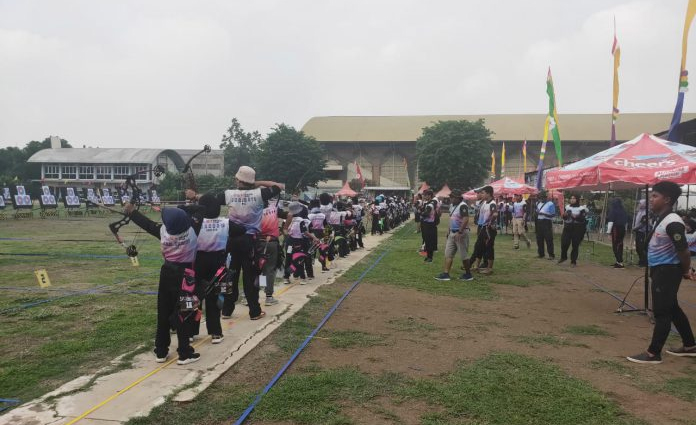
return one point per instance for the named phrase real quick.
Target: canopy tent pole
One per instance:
(600, 236)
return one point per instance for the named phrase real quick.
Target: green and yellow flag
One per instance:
(553, 119)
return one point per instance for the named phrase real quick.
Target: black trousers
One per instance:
(484, 247)
(665, 285)
(640, 249)
(572, 236)
(168, 313)
(241, 248)
(617, 242)
(375, 225)
(544, 235)
(207, 263)
(429, 231)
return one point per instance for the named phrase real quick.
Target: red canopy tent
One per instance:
(643, 161)
(505, 186)
(346, 191)
(444, 192)
(423, 187)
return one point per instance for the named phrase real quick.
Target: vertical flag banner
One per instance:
(540, 168)
(683, 73)
(616, 52)
(524, 156)
(359, 174)
(493, 165)
(502, 162)
(408, 179)
(553, 118)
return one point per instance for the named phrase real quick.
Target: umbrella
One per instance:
(346, 191)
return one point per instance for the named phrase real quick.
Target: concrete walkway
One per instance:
(116, 395)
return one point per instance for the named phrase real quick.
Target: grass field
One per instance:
(96, 308)
(499, 388)
(100, 307)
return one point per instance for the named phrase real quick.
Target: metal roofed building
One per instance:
(385, 146)
(85, 167)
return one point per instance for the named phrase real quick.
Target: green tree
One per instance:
(14, 168)
(454, 152)
(291, 157)
(240, 147)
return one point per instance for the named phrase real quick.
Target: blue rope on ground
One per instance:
(10, 401)
(297, 352)
(72, 294)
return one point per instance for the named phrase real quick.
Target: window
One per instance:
(51, 171)
(121, 172)
(69, 172)
(143, 171)
(86, 172)
(103, 172)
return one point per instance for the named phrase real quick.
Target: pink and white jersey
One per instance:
(269, 221)
(295, 229)
(179, 248)
(316, 220)
(245, 208)
(336, 217)
(214, 234)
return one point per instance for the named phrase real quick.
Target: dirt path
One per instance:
(528, 320)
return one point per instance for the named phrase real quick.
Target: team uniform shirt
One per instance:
(429, 212)
(691, 241)
(298, 227)
(457, 216)
(519, 209)
(335, 218)
(179, 248)
(357, 212)
(486, 213)
(667, 239)
(575, 214)
(317, 220)
(269, 221)
(245, 208)
(546, 210)
(213, 235)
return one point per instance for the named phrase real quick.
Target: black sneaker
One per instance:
(193, 357)
(682, 351)
(618, 266)
(443, 276)
(645, 358)
(428, 260)
(562, 260)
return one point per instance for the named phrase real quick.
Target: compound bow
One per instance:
(189, 181)
(135, 199)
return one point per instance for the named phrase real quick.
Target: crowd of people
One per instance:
(206, 255)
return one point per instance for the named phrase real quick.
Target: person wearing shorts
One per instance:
(457, 237)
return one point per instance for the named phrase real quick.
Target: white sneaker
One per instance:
(161, 359)
(216, 339)
(244, 301)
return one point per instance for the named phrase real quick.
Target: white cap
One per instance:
(246, 174)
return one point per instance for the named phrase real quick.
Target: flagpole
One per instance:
(616, 52)
(683, 73)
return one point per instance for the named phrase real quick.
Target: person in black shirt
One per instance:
(617, 220)
(574, 220)
(670, 262)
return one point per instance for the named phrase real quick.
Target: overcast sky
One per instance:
(171, 74)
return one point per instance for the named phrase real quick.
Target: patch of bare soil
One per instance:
(428, 335)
